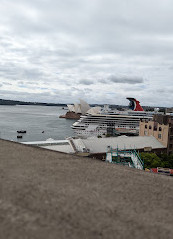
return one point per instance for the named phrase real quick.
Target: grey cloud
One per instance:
(6, 83)
(161, 91)
(46, 96)
(86, 82)
(31, 83)
(75, 89)
(87, 90)
(85, 42)
(165, 90)
(103, 81)
(20, 82)
(122, 80)
(126, 79)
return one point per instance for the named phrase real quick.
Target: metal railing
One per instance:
(122, 156)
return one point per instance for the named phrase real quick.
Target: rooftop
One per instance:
(99, 145)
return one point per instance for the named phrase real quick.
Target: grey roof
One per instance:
(60, 148)
(47, 142)
(99, 145)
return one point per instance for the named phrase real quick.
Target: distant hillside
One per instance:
(16, 102)
(119, 107)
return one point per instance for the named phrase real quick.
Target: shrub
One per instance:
(151, 160)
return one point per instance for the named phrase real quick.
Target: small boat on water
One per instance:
(21, 131)
(19, 136)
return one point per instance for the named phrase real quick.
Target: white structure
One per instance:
(81, 108)
(94, 110)
(56, 145)
(77, 108)
(71, 108)
(84, 106)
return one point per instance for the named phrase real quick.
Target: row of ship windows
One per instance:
(103, 127)
(89, 133)
(121, 125)
(111, 121)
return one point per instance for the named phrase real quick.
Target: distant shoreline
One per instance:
(15, 102)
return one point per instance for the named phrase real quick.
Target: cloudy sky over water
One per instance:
(101, 51)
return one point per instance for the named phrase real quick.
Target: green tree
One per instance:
(151, 160)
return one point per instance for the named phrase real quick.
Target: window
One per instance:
(150, 127)
(159, 136)
(146, 126)
(160, 128)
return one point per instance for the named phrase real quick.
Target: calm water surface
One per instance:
(35, 120)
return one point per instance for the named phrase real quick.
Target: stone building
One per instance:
(161, 127)
(169, 110)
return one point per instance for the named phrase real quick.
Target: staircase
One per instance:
(137, 160)
(130, 158)
(72, 144)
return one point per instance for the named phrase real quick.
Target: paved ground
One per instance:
(47, 195)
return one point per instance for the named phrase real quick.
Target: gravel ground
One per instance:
(46, 194)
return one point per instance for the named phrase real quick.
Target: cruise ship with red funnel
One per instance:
(112, 122)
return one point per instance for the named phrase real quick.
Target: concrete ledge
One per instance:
(46, 194)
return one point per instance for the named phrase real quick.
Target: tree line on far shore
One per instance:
(16, 102)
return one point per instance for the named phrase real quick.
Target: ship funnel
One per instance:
(134, 104)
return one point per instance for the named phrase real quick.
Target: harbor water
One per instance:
(40, 123)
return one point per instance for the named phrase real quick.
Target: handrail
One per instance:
(139, 158)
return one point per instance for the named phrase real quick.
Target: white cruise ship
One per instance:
(112, 122)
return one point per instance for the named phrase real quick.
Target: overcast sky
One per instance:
(99, 50)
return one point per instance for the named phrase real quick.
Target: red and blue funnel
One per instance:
(134, 104)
